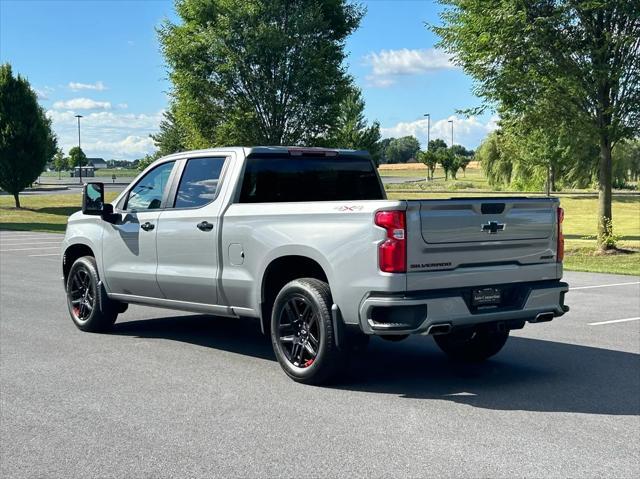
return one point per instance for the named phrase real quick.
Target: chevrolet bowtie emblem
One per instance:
(492, 227)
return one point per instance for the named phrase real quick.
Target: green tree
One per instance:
(626, 162)
(450, 162)
(351, 130)
(77, 157)
(430, 159)
(147, 160)
(382, 149)
(60, 162)
(258, 71)
(171, 138)
(437, 144)
(463, 156)
(581, 58)
(496, 165)
(401, 150)
(26, 140)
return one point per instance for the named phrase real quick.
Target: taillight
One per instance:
(560, 245)
(392, 254)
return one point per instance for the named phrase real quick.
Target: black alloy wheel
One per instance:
(89, 309)
(299, 332)
(302, 332)
(82, 294)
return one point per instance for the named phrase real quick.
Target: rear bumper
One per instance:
(418, 312)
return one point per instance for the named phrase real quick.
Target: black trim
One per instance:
(174, 179)
(517, 294)
(338, 324)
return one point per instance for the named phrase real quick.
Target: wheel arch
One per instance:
(71, 254)
(279, 272)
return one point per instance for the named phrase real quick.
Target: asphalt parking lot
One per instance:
(170, 394)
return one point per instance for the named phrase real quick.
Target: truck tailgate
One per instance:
(476, 232)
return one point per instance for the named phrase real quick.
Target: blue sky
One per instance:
(101, 59)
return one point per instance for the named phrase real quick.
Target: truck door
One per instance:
(129, 246)
(188, 233)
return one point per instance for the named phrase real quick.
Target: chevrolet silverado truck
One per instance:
(305, 241)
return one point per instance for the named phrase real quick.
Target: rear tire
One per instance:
(302, 332)
(90, 309)
(472, 345)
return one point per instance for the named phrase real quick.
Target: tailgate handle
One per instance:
(492, 208)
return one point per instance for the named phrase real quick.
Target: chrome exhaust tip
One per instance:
(543, 317)
(442, 328)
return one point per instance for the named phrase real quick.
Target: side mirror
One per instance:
(109, 216)
(93, 198)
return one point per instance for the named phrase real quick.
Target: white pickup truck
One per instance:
(305, 241)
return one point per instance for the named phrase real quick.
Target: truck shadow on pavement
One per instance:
(529, 374)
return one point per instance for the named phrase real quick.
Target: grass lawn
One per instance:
(472, 179)
(41, 212)
(50, 212)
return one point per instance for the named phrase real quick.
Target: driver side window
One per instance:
(147, 194)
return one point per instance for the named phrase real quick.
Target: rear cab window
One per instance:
(283, 178)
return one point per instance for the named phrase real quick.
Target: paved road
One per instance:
(388, 180)
(184, 395)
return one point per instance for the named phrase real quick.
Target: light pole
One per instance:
(451, 121)
(79, 148)
(428, 115)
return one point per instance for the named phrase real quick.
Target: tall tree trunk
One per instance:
(604, 193)
(16, 197)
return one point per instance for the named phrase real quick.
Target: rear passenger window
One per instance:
(199, 182)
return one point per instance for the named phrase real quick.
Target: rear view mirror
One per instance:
(93, 198)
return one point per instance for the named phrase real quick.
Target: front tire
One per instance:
(472, 345)
(302, 332)
(90, 310)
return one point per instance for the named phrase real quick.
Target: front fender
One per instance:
(87, 231)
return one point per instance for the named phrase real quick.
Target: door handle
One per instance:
(204, 226)
(147, 226)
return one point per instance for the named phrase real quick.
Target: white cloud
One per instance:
(130, 147)
(387, 65)
(107, 134)
(379, 82)
(77, 86)
(123, 106)
(468, 132)
(43, 94)
(82, 104)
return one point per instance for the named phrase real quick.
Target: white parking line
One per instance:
(33, 238)
(30, 242)
(25, 233)
(37, 235)
(614, 321)
(603, 285)
(28, 249)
